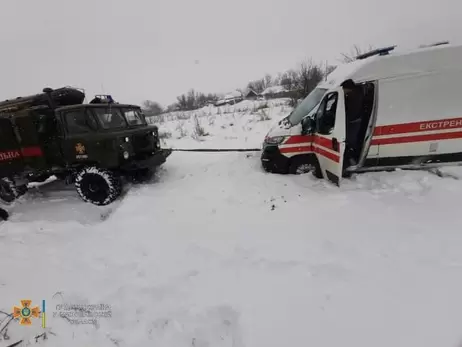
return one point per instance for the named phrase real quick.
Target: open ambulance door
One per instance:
(330, 134)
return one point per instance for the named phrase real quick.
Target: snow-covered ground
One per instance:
(243, 125)
(216, 252)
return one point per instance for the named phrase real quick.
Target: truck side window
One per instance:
(79, 122)
(110, 118)
(133, 117)
(325, 116)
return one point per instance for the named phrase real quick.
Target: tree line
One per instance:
(301, 80)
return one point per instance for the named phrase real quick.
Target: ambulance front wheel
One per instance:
(302, 165)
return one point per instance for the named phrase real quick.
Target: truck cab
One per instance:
(95, 145)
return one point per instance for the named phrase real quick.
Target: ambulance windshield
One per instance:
(307, 105)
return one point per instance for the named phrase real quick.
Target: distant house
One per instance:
(230, 99)
(275, 92)
(250, 94)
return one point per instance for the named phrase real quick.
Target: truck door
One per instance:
(26, 132)
(49, 136)
(10, 151)
(329, 141)
(81, 141)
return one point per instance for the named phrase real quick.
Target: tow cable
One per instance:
(217, 150)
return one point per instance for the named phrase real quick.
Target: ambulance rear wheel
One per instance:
(303, 165)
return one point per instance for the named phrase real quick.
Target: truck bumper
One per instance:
(273, 161)
(156, 159)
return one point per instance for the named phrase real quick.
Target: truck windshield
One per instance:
(134, 117)
(307, 105)
(110, 118)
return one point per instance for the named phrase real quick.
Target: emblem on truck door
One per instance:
(81, 151)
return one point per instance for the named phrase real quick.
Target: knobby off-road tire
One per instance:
(9, 191)
(98, 186)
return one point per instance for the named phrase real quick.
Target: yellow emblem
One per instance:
(26, 312)
(79, 148)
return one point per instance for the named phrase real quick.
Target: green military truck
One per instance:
(95, 145)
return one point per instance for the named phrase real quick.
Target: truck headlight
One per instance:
(127, 139)
(276, 140)
(126, 155)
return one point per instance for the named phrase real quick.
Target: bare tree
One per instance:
(268, 81)
(152, 108)
(289, 79)
(193, 100)
(182, 102)
(261, 84)
(258, 85)
(309, 75)
(277, 81)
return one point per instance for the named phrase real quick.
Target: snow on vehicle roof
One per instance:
(397, 63)
(342, 73)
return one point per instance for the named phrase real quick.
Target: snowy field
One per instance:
(243, 125)
(214, 252)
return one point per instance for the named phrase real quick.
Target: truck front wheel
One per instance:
(98, 186)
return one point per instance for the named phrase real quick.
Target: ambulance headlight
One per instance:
(275, 140)
(126, 155)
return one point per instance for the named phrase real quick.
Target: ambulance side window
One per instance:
(325, 117)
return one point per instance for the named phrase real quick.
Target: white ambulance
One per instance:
(385, 110)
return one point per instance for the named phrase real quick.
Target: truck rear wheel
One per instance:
(98, 186)
(9, 191)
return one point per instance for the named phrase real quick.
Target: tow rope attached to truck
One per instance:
(217, 150)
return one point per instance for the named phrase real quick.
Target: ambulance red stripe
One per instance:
(319, 142)
(314, 149)
(442, 124)
(329, 155)
(292, 140)
(416, 138)
(297, 149)
(322, 141)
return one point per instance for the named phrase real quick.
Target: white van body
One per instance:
(415, 119)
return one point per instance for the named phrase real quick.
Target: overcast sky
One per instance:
(158, 49)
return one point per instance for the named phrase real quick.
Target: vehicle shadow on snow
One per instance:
(404, 182)
(56, 201)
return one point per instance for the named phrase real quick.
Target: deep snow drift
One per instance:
(215, 252)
